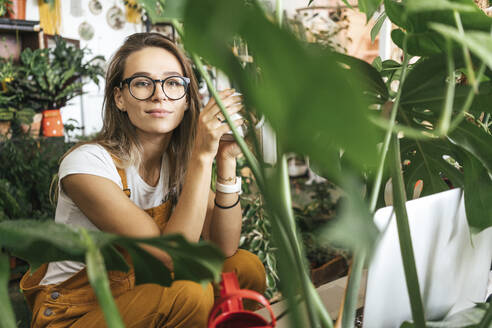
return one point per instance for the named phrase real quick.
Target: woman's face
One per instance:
(158, 114)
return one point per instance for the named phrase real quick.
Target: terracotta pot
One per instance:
(17, 10)
(4, 127)
(35, 127)
(334, 269)
(52, 123)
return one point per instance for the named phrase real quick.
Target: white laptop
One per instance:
(452, 264)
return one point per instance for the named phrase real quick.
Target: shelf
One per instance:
(19, 25)
(17, 35)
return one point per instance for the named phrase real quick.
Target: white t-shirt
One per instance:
(95, 160)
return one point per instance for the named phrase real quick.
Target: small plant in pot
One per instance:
(14, 113)
(4, 6)
(49, 78)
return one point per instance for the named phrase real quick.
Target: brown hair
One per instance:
(118, 135)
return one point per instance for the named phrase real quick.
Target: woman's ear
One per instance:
(118, 99)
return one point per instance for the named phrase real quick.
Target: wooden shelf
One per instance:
(17, 35)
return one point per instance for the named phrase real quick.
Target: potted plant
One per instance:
(12, 108)
(16, 9)
(4, 6)
(50, 77)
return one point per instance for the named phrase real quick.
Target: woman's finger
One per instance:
(230, 110)
(224, 127)
(228, 103)
(222, 95)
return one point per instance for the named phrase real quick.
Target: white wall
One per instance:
(105, 42)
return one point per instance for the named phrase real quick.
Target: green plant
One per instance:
(50, 77)
(27, 167)
(4, 5)
(319, 103)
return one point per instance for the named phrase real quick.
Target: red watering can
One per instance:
(230, 303)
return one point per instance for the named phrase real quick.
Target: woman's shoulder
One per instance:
(88, 158)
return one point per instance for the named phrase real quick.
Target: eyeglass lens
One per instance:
(143, 87)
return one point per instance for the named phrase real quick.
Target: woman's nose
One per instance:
(159, 92)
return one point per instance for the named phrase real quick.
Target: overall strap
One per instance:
(122, 174)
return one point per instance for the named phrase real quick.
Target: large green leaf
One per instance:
(369, 7)
(41, 242)
(313, 103)
(415, 17)
(368, 77)
(425, 88)
(474, 140)
(478, 194)
(419, 44)
(480, 43)
(427, 164)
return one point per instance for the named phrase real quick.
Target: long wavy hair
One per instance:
(118, 134)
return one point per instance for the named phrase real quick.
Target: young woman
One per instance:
(148, 173)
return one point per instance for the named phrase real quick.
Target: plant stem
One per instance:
(387, 137)
(353, 285)
(253, 162)
(96, 272)
(278, 12)
(466, 53)
(7, 316)
(406, 248)
(288, 215)
(468, 101)
(444, 122)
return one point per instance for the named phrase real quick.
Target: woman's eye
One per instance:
(142, 84)
(173, 83)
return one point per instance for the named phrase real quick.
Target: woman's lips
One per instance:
(159, 113)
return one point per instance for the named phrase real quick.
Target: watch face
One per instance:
(86, 31)
(115, 18)
(95, 7)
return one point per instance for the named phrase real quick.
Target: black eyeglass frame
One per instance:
(127, 81)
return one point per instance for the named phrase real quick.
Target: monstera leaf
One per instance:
(415, 16)
(313, 102)
(424, 91)
(424, 160)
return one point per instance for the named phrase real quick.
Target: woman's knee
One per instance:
(249, 270)
(193, 301)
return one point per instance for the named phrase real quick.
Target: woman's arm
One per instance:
(110, 209)
(223, 226)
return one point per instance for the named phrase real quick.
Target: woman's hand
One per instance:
(211, 126)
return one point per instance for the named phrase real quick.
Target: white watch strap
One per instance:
(229, 189)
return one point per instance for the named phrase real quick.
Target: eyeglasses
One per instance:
(143, 87)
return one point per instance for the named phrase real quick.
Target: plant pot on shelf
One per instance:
(17, 10)
(33, 128)
(52, 125)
